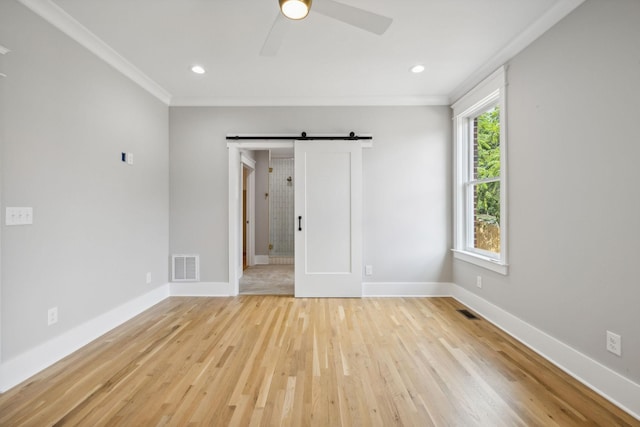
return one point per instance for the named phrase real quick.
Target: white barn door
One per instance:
(328, 223)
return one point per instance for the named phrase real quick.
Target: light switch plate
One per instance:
(19, 216)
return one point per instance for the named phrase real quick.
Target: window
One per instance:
(480, 217)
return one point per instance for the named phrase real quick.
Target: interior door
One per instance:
(328, 226)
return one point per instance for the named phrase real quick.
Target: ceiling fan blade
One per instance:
(276, 36)
(357, 17)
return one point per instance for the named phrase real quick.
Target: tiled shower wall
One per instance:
(281, 213)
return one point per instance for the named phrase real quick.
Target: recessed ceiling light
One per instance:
(417, 69)
(198, 69)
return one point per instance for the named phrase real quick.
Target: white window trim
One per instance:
(489, 92)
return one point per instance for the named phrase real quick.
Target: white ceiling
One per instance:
(321, 61)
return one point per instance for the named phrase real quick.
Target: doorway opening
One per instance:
(328, 214)
(281, 209)
(269, 270)
(328, 219)
(246, 173)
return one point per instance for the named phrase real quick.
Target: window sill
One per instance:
(481, 261)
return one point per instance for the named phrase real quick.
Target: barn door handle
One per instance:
(300, 223)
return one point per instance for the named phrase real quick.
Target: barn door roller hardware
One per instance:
(302, 137)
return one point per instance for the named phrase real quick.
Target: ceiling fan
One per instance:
(298, 9)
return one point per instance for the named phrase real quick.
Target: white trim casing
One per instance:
(614, 387)
(56, 16)
(234, 211)
(480, 93)
(200, 289)
(267, 144)
(619, 390)
(261, 259)
(250, 164)
(406, 289)
(311, 101)
(60, 19)
(550, 18)
(491, 91)
(235, 148)
(247, 160)
(479, 260)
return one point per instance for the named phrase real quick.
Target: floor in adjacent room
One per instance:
(269, 279)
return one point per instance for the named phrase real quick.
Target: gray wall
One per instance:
(99, 224)
(2, 96)
(407, 182)
(262, 202)
(574, 205)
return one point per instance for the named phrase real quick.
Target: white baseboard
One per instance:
(619, 390)
(29, 363)
(609, 384)
(261, 259)
(406, 289)
(200, 289)
(612, 386)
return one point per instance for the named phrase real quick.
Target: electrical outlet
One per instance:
(148, 278)
(479, 281)
(368, 270)
(614, 343)
(52, 316)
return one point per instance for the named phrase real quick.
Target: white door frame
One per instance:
(235, 202)
(250, 164)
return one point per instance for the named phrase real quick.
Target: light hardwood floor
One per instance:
(269, 360)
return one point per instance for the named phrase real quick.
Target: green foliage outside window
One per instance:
(488, 166)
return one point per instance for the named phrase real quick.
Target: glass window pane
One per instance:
(486, 145)
(486, 216)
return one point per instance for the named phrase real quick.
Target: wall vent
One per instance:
(186, 268)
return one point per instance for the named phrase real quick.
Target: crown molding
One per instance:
(60, 19)
(312, 101)
(550, 18)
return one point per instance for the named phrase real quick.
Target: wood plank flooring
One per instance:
(269, 360)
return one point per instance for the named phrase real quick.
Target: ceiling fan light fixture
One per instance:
(295, 9)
